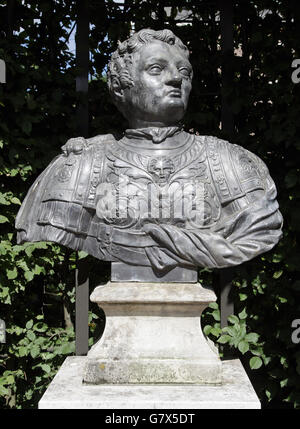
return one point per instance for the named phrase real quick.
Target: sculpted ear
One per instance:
(117, 90)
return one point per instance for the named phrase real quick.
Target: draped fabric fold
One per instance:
(255, 230)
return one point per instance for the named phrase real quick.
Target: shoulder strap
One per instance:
(224, 176)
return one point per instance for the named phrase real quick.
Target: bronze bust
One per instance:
(159, 202)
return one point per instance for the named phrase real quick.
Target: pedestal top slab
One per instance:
(172, 293)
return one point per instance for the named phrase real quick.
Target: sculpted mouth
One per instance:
(175, 93)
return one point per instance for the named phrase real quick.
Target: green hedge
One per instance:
(37, 116)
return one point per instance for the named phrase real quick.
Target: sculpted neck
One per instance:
(136, 123)
(156, 141)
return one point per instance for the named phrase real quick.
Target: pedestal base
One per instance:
(153, 336)
(68, 392)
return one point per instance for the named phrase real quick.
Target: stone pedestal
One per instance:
(153, 336)
(152, 355)
(67, 391)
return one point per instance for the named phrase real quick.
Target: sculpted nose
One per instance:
(174, 77)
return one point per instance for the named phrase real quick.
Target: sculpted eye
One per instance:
(155, 69)
(185, 71)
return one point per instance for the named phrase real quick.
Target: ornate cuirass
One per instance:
(101, 194)
(171, 187)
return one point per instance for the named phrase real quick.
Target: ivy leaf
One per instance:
(243, 314)
(12, 274)
(242, 296)
(29, 275)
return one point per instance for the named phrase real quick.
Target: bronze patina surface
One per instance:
(159, 197)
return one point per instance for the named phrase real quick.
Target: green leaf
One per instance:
(213, 305)
(233, 319)
(207, 329)
(82, 254)
(242, 296)
(216, 315)
(29, 249)
(29, 324)
(28, 275)
(277, 274)
(243, 314)
(284, 382)
(255, 362)
(40, 327)
(231, 330)
(45, 367)
(66, 348)
(215, 331)
(3, 200)
(224, 339)
(23, 351)
(15, 200)
(3, 219)
(243, 346)
(31, 335)
(3, 391)
(34, 351)
(252, 337)
(12, 274)
(10, 379)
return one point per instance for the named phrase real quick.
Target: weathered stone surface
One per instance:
(153, 335)
(67, 391)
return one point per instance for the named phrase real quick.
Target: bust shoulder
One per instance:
(77, 145)
(66, 180)
(235, 170)
(243, 161)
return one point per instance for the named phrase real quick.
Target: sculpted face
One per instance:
(162, 78)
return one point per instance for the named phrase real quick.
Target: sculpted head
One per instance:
(149, 78)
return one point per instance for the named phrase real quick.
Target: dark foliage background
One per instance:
(37, 116)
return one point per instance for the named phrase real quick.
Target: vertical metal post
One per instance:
(82, 63)
(226, 25)
(81, 310)
(10, 12)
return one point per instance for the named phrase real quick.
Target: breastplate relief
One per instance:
(157, 189)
